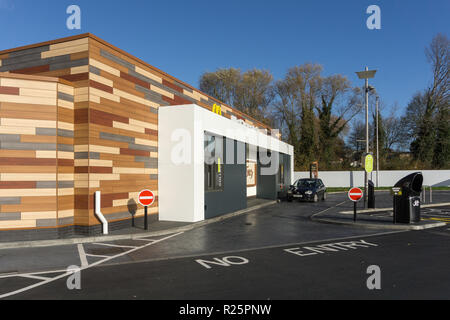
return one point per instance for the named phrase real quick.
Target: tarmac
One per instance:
(156, 229)
(380, 218)
(338, 215)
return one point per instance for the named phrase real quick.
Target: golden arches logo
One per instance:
(217, 109)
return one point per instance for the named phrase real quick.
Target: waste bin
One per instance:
(371, 195)
(407, 202)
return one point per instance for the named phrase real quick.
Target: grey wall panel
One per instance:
(10, 216)
(234, 195)
(10, 200)
(266, 184)
(9, 137)
(116, 137)
(28, 146)
(29, 51)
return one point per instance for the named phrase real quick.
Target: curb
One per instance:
(62, 242)
(433, 205)
(380, 226)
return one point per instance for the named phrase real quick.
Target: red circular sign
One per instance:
(355, 194)
(146, 198)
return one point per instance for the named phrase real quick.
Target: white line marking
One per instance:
(33, 277)
(82, 254)
(146, 198)
(114, 245)
(148, 240)
(97, 256)
(10, 275)
(84, 268)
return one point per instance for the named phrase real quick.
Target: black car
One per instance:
(307, 190)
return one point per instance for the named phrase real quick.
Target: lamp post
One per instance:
(366, 75)
(378, 149)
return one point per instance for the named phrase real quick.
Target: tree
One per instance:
(221, 84)
(336, 94)
(357, 134)
(382, 145)
(436, 101)
(412, 119)
(287, 112)
(250, 92)
(441, 158)
(254, 93)
(297, 97)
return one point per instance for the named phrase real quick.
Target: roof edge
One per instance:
(94, 37)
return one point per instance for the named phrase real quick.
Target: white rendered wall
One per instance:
(435, 178)
(187, 180)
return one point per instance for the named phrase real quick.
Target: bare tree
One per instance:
(254, 93)
(250, 92)
(221, 84)
(339, 104)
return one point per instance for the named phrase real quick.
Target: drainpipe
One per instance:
(98, 212)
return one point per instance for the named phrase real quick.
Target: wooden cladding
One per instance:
(78, 115)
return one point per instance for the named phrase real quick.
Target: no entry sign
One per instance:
(355, 194)
(146, 198)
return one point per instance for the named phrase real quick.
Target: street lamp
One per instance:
(366, 75)
(378, 150)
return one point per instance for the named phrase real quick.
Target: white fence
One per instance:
(435, 178)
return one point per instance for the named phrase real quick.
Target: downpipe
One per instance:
(99, 213)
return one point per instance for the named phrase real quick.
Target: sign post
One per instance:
(355, 195)
(146, 198)
(368, 166)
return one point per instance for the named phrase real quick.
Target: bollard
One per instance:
(424, 195)
(431, 194)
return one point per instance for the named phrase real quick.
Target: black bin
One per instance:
(407, 203)
(371, 195)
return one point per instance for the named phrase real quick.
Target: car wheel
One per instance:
(316, 198)
(289, 199)
(324, 197)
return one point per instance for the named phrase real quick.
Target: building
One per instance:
(78, 115)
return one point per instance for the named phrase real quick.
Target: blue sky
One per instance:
(186, 38)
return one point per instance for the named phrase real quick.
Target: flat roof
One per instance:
(90, 35)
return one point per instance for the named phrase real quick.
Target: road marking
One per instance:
(33, 277)
(96, 256)
(224, 262)
(66, 274)
(114, 245)
(330, 247)
(142, 239)
(82, 255)
(11, 275)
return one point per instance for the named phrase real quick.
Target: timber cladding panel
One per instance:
(61, 141)
(28, 152)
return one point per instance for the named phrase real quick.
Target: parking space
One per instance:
(87, 256)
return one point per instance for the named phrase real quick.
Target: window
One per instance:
(213, 163)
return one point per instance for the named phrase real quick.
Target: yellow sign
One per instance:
(217, 109)
(369, 163)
